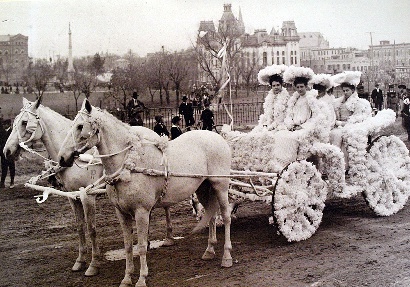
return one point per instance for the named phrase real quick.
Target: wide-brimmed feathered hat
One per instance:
(267, 72)
(348, 77)
(324, 80)
(401, 86)
(294, 72)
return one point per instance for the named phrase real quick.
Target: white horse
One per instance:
(134, 194)
(36, 122)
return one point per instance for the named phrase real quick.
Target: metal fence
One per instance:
(242, 113)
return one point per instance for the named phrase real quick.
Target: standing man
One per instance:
(392, 99)
(377, 97)
(207, 118)
(135, 108)
(6, 164)
(402, 95)
(405, 113)
(186, 109)
(362, 94)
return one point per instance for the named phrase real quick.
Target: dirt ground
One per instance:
(352, 247)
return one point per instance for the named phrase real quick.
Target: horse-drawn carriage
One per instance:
(298, 186)
(295, 180)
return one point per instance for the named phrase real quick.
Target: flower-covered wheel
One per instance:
(388, 177)
(299, 200)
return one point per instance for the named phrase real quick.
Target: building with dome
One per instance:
(247, 52)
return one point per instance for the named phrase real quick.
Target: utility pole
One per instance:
(371, 56)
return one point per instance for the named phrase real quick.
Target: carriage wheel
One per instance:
(298, 201)
(388, 165)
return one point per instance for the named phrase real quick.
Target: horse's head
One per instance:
(26, 128)
(83, 135)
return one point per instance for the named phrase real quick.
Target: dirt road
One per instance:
(352, 247)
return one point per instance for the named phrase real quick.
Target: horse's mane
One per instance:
(49, 110)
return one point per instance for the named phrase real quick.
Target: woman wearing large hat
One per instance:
(305, 121)
(322, 83)
(274, 107)
(350, 109)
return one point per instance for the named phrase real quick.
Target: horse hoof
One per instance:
(226, 263)
(208, 255)
(92, 271)
(78, 266)
(141, 283)
(126, 283)
(168, 242)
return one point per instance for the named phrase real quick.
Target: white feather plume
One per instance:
(265, 73)
(293, 72)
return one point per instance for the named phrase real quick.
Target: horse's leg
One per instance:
(169, 240)
(126, 225)
(142, 221)
(77, 207)
(209, 253)
(89, 211)
(221, 190)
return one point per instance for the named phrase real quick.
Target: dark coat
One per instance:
(161, 129)
(175, 132)
(377, 96)
(186, 109)
(134, 111)
(207, 118)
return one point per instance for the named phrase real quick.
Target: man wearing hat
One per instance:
(377, 97)
(175, 129)
(186, 109)
(392, 99)
(361, 93)
(135, 108)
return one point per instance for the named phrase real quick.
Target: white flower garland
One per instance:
(315, 129)
(355, 136)
(274, 111)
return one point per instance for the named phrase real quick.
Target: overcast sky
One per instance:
(144, 26)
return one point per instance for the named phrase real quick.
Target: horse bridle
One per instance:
(23, 143)
(86, 117)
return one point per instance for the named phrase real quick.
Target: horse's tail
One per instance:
(207, 197)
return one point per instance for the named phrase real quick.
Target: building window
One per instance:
(283, 60)
(277, 53)
(277, 60)
(291, 60)
(265, 58)
(296, 61)
(273, 58)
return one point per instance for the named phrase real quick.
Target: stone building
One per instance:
(13, 58)
(391, 62)
(247, 52)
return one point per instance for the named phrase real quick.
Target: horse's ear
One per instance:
(25, 102)
(87, 106)
(38, 101)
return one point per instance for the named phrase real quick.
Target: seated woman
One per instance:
(323, 84)
(304, 116)
(274, 106)
(349, 109)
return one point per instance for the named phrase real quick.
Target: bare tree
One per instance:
(60, 70)
(38, 74)
(179, 67)
(126, 80)
(207, 50)
(157, 77)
